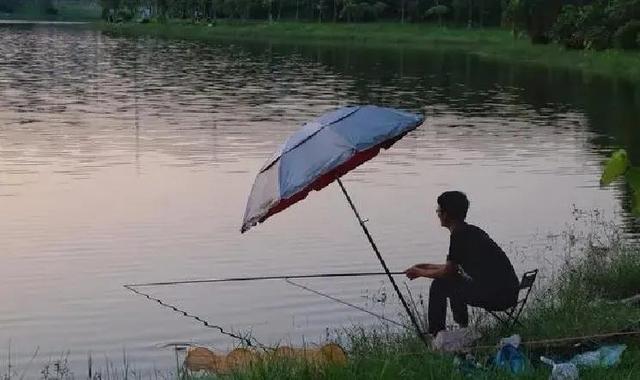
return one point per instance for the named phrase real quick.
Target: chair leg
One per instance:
(495, 315)
(517, 322)
(503, 321)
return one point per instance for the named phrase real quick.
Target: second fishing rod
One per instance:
(262, 278)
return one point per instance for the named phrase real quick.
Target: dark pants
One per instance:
(461, 293)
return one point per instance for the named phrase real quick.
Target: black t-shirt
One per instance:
(481, 259)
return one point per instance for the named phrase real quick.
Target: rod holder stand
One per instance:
(412, 317)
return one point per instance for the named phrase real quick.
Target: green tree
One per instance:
(619, 166)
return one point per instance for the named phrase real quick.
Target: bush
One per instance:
(575, 41)
(48, 8)
(619, 12)
(626, 37)
(362, 11)
(438, 10)
(597, 38)
(594, 14)
(124, 15)
(592, 26)
(566, 25)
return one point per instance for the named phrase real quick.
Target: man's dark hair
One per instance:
(454, 203)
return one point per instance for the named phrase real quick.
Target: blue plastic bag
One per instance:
(511, 359)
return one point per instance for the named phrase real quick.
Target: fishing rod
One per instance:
(262, 278)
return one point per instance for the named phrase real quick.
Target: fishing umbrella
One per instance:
(321, 152)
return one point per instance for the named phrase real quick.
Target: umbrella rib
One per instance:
(323, 126)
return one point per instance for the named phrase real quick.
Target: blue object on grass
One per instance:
(605, 356)
(511, 359)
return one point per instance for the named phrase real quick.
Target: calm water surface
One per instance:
(130, 160)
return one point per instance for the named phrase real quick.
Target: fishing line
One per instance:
(382, 317)
(206, 323)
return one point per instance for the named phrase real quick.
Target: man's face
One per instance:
(442, 216)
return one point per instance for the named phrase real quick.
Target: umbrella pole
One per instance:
(384, 264)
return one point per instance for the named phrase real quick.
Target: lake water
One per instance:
(130, 160)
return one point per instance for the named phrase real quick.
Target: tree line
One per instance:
(601, 24)
(472, 12)
(578, 24)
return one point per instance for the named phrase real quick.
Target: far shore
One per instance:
(489, 43)
(43, 22)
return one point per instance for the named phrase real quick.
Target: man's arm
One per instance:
(432, 270)
(428, 266)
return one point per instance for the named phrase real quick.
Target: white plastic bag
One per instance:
(455, 341)
(561, 371)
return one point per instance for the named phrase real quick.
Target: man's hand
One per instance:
(413, 272)
(431, 270)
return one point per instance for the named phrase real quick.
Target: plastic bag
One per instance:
(513, 340)
(455, 341)
(561, 371)
(511, 359)
(605, 356)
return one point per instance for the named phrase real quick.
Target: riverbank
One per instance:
(579, 301)
(494, 44)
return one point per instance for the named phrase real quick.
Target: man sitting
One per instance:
(477, 271)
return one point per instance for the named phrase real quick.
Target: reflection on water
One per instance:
(129, 160)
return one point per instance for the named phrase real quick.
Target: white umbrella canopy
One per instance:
(322, 151)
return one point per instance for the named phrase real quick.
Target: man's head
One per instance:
(452, 208)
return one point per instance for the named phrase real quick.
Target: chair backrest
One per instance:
(528, 278)
(526, 283)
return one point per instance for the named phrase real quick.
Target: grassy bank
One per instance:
(578, 301)
(495, 44)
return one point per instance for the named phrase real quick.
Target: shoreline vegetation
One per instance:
(489, 43)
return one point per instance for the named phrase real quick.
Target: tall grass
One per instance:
(424, 366)
(581, 299)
